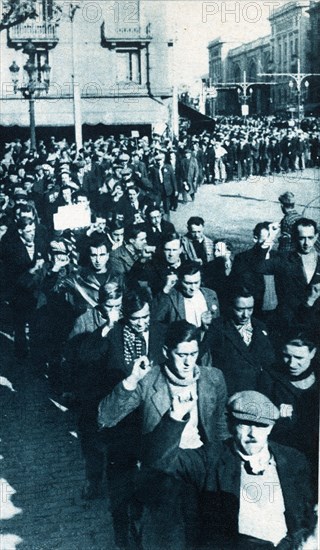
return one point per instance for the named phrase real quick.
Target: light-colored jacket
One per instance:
(190, 252)
(152, 395)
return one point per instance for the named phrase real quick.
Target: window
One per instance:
(280, 54)
(128, 66)
(41, 57)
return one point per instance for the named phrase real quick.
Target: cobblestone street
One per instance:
(42, 470)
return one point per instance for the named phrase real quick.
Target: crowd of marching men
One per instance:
(191, 367)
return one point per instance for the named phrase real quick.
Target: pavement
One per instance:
(231, 210)
(42, 471)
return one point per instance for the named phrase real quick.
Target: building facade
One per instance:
(292, 46)
(314, 13)
(110, 64)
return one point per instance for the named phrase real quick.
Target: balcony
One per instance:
(43, 33)
(124, 35)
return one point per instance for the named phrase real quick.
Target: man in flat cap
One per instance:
(254, 493)
(287, 201)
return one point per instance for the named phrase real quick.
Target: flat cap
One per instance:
(124, 157)
(126, 172)
(160, 155)
(252, 406)
(287, 198)
(58, 247)
(20, 192)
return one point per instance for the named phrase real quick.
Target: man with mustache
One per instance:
(256, 494)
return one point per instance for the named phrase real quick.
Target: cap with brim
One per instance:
(287, 199)
(20, 192)
(51, 157)
(47, 167)
(65, 171)
(58, 247)
(253, 407)
(124, 158)
(126, 172)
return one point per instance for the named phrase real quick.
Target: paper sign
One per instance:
(135, 134)
(72, 216)
(245, 110)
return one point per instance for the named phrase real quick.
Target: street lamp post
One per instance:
(298, 78)
(245, 92)
(32, 86)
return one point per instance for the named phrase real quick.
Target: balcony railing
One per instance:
(37, 32)
(124, 33)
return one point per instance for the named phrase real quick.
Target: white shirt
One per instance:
(262, 509)
(190, 437)
(309, 262)
(29, 248)
(195, 307)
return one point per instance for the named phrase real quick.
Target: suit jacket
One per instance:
(107, 354)
(170, 307)
(153, 396)
(240, 364)
(17, 263)
(122, 260)
(244, 152)
(169, 184)
(215, 471)
(141, 180)
(245, 271)
(189, 173)
(291, 283)
(154, 238)
(86, 286)
(209, 157)
(190, 252)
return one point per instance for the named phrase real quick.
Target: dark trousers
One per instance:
(24, 326)
(166, 201)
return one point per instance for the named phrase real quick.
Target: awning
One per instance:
(198, 120)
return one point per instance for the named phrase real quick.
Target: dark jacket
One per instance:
(300, 430)
(154, 238)
(240, 364)
(168, 186)
(109, 352)
(20, 283)
(245, 272)
(291, 283)
(215, 472)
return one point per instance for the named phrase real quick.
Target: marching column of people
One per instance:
(192, 370)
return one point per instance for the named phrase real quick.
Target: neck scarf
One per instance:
(134, 345)
(305, 374)
(246, 332)
(175, 381)
(256, 464)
